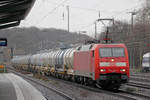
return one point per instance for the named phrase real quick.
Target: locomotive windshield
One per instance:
(111, 52)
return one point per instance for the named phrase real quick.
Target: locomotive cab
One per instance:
(111, 65)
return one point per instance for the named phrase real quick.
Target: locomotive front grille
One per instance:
(113, 77)
(110, 76)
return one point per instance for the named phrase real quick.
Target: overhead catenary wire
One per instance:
(126, 10)
(87, 9)
(50, 12)
(117, 13)
(82, 8)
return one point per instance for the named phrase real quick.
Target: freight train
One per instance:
(105, 65)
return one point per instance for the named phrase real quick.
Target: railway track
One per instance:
(137, 84)
(141, 81)
(143, 75)
(67, 97)
(135, 96)
(121, 93)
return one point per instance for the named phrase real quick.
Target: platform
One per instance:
(13, 87)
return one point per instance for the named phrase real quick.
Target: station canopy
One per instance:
(13, 11)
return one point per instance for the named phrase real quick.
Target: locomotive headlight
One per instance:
(112, 60)
(104, 64)
(121, 64)
(102, 70)
(122, 70)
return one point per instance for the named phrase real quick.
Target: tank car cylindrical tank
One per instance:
(34, 59)
(68, 58)
(46, 59)
(25, 59)
(65, 58)
(57, 57)
(50, 58)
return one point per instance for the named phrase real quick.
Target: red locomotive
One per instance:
(107, 64)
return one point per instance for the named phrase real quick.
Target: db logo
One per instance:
(111, 70)
(112, 64)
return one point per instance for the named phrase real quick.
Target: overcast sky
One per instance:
(83, 13)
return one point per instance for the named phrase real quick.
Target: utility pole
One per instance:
(132, 60)
(99, 15)
(68, 10)
(132, 20)
(95, 30)
(11, 52)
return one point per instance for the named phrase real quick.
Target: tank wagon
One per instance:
(105, 65)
